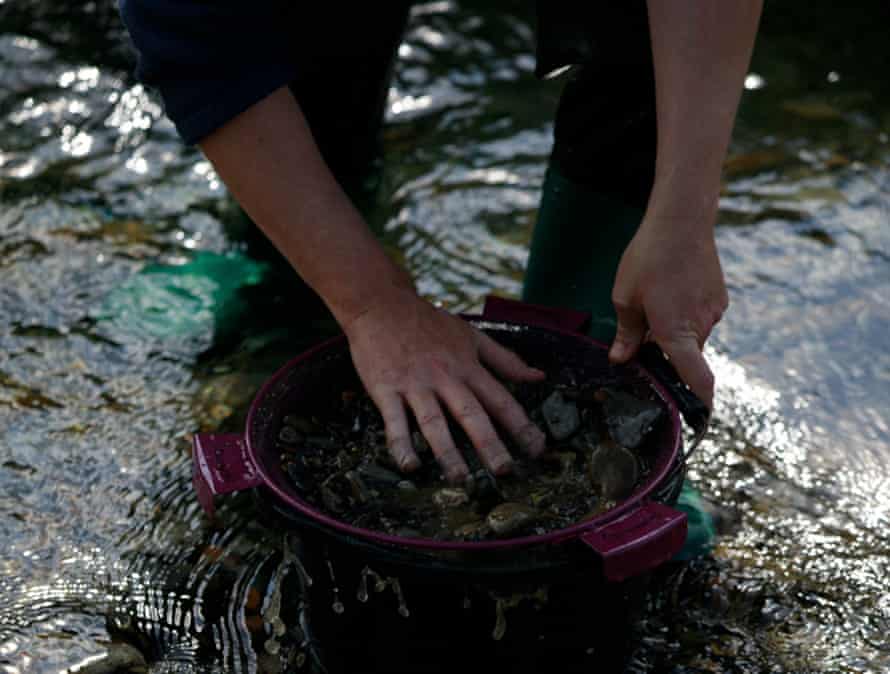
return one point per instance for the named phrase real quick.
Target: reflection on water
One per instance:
(103, 541)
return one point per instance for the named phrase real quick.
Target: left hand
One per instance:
(670, 287)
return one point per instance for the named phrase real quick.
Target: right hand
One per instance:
(407, 352)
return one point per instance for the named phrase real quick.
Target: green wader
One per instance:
(600, 175)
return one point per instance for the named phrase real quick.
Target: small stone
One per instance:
(561, 416)
(450, 497)
(288, 435)
(407, 532)
(473, 530)
(300, 424)
(613, 472)
(508, 517)
(120, 658)
(331, 500)
(406, 485)
(360, 491)
(483, 484)
(565, 460)
(541, 497)
(630, 419)
(220, 412)
(373, 472)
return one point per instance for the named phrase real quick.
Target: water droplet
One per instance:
(337, 606)
(500, 625)
(362, 594)
(397, 589)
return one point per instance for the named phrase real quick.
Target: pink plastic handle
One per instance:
(639, 541)
(221, 465)
(514, 311)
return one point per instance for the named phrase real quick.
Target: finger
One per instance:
(470, 414)
(716, 315)
(398, 435)
(432, 424)
(690, 364)
(509, 413)
(505, 362)
(631, 331)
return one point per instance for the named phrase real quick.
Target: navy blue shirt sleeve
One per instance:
(211, 59)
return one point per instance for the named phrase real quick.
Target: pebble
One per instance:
(613, 471)
(508, 517)
(629, 419)
(375, 473)
(450, 497)
(561, 416)
(288, 435)
(472, 530)
(300, 424)
(407, 532)
(359, 490)
(120, 658)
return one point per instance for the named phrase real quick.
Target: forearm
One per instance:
(701, 50)
(269, 161)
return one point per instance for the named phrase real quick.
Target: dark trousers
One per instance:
(602, 164)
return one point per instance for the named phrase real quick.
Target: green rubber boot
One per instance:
(575, 226)
(577, 244)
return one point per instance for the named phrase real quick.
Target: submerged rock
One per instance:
(561, 416)
(508, 517)
(120, 659)
(473, 531)
(565, 460)
(288, 435)
(301, 424)
(628, 418)
(378, 474)
(407, 532)
(360, 491)
(450, 497)
(613, 471)
(331, 499)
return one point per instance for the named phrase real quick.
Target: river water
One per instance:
(115, 347)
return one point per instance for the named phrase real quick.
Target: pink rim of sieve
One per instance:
(558, 536)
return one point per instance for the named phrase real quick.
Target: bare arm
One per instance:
(669, 282)
(269, 161)
(406, 351)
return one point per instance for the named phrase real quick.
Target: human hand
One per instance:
(406, 351)
(670, 287)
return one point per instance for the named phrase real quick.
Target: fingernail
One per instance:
(502, 465)
(538, 372)
(409, 463)
(533, 440)
(456, 475)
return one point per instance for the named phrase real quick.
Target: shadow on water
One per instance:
(115, 348)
